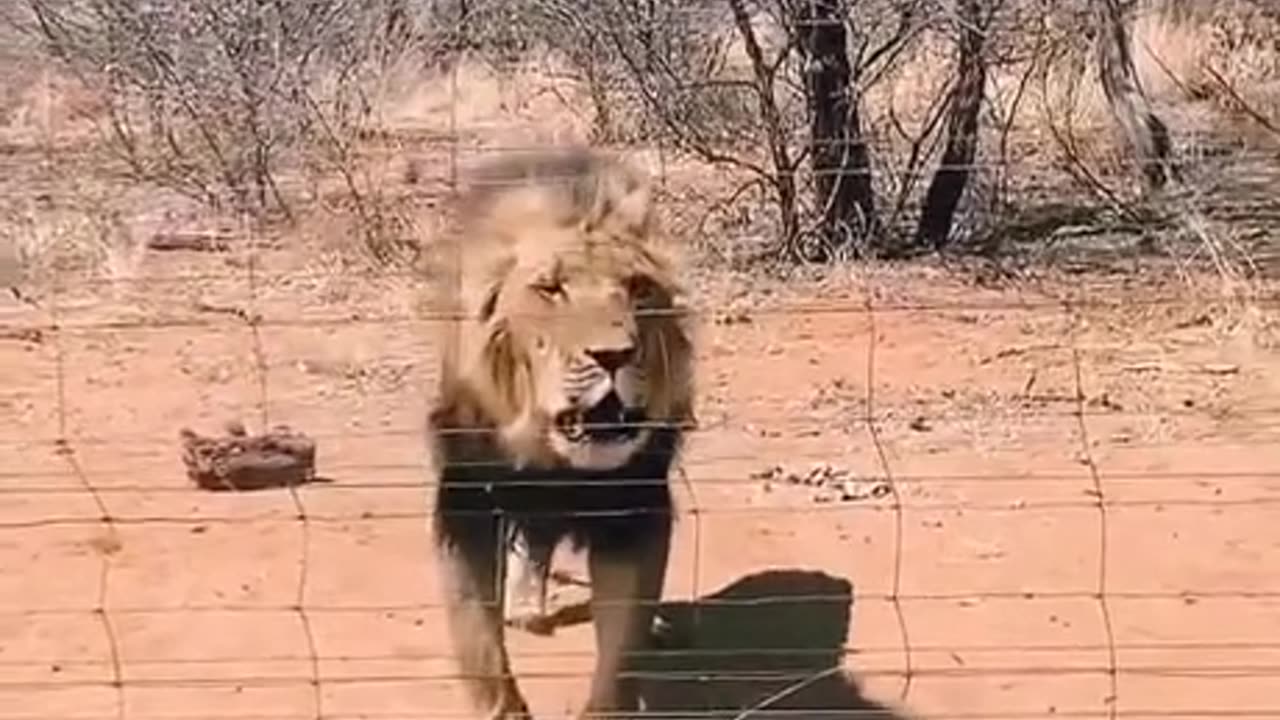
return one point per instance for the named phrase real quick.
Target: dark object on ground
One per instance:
(192, 241)
(281, 457)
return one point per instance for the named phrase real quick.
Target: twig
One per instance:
(1243, 104)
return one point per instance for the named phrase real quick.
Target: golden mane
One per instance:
(573, 208)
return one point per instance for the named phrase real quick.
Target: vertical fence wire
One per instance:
(1104, 529)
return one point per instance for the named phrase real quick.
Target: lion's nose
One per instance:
(613, 358)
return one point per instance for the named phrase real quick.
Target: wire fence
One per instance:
(917, 658)
(948, 506)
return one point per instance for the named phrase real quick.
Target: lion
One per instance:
(564, 395)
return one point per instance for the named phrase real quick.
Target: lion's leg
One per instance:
(528, 570)
(626, 585)
(468, 554)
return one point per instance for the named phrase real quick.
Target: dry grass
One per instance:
(1224, 50)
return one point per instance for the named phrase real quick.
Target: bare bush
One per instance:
(770, 91)
(696, 77)
(864, 126)
(215, 99)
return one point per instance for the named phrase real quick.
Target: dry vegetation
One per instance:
(326, 120)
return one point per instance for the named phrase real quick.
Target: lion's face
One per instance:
(566, 340)
(578, 319)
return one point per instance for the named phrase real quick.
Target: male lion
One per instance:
(564, 390)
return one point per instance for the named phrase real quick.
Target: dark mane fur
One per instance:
(550, 504)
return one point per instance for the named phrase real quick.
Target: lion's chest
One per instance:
(565, 502)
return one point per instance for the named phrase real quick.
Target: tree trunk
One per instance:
(783, 180)
(840, 160)
(399, 28)
(1146, 133)
(952, 176)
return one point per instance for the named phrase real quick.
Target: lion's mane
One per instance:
(575, 189)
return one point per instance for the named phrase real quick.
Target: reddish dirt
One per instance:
(218, 605)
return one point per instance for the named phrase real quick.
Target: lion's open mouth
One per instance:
(608, 421)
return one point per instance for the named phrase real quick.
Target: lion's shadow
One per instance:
(750, 642)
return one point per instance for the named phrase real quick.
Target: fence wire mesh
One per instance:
(906, 493)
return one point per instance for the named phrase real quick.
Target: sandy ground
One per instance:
(987, 547)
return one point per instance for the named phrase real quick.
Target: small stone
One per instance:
(850, 490)
(766, 473)
(818, 473)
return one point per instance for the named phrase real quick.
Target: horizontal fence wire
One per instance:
(728, 713)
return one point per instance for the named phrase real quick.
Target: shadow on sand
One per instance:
(752, 640)
(746, 645)
(771, 643)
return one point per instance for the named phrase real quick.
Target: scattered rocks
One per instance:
(33, 336)
(733, 317)
(827, 482)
